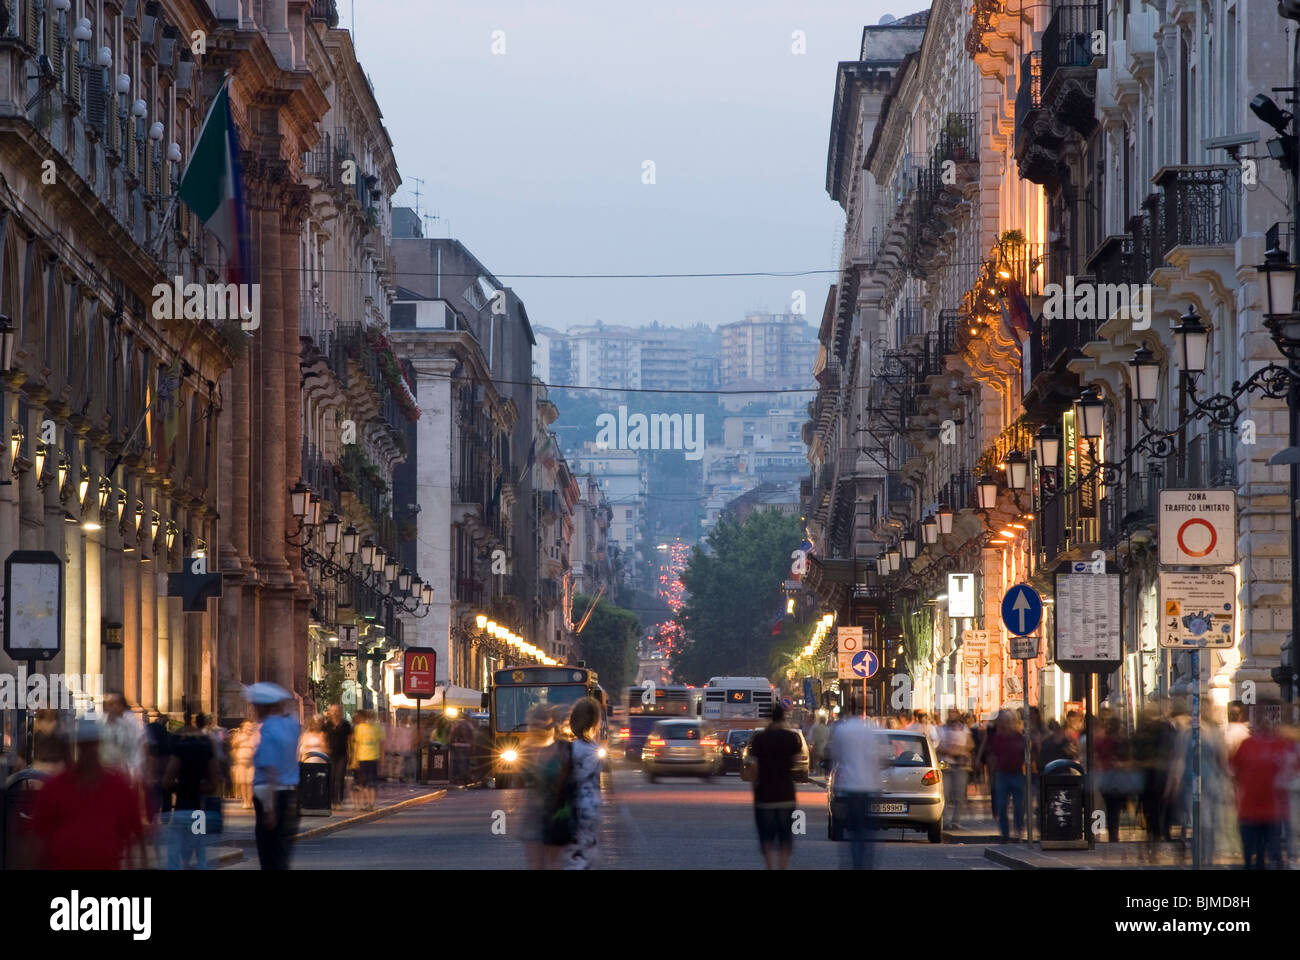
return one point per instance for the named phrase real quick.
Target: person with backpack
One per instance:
(569, 782)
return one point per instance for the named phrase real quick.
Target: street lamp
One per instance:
(426, 594)
(1089, 412)
(105, 493)
(83, 486)
(882, 565)
(298, 500)
(1192, 340)
(1144, 375)
(404, 580)
(332, 529)
(1047, 445)
(930, 529)
(391, 568)
(895, 559)
(377, 562)
(480, 621)
(350, 537)
(909, 545)
(945, 519)
(987, 488)
(313, 511)
(1282, 320)
(41, 451)
(6, 345)
(368, 552)
(1017, 470)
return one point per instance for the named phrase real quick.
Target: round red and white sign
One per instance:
(1196, 537)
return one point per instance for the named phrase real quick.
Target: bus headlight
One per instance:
(510, 755)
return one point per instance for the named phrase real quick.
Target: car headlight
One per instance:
(510, 756)
(602, 753)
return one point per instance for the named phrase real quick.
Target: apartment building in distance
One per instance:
(767, 347)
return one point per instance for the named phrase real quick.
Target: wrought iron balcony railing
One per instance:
(1068, 39)
(1029, 93)
(1200, 206)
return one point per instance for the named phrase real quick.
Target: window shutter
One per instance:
(73, 72)
(96, 97)
(29, 28)
(53, 43)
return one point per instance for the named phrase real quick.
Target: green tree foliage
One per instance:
(608, 642)
(734, 597)
(329, 690)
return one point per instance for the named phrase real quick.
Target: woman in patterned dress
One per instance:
(584, 774)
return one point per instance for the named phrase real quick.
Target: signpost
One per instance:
(1022, 612)
(850, 639)
(419, 672)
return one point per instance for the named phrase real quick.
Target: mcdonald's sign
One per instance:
(419, 665)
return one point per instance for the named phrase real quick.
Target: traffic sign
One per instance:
(846, 666)
(1198, 610)
(1022, 610)
(1087, 620)
(1198, 528)
(864, 664)
(850, 639)
(787, 702)
(1024, 648)
(961, 594)
(975, 642)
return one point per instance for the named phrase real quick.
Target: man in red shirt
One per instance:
(88, 816)
(1259, 765)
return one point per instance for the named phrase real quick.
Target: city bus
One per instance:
(739, 703)
(647, 703)
(517, 698)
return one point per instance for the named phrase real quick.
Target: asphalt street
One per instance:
(672, 824)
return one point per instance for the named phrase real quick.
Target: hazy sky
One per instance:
(533, 158)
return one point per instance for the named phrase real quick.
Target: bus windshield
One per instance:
(514, 702)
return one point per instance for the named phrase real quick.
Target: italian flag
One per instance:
(212, 184)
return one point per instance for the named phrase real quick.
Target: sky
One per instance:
(534, 157)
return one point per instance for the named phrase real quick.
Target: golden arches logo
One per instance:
(420, 662)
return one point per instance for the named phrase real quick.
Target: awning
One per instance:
(461, 697)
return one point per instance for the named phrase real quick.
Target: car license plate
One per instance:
(889, 808)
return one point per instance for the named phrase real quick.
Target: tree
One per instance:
(734, 597)
(608, 642)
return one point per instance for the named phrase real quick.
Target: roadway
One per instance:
(672, 824)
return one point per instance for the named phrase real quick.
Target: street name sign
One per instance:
(1198, 528)
(1024, 648)
(1199, 610)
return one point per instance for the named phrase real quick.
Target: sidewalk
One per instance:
(238, 842)
(1126, 855)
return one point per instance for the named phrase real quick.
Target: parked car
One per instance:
(911, 791)
(681, 748)
(749, 766)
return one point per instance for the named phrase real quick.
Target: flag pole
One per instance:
(162, 230)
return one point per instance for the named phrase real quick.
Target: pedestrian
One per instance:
(855, 751)
(774, 749)
(50, 753)
(955, 747)
(1057, 744)
(821, 735)
(275, 775)
(581, 789)
(338, 735)
(1237, 730)
(1007, 750)
(122, 740)
(312, 747)
(462, 741)
(1153, 743)
(193, 774)
(1259, 766)
(243, 748)
(367, 748)
(88, 816)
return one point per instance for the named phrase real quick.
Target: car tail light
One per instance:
(624, 733)
(709, 742)
(655, 742)
(931, 778)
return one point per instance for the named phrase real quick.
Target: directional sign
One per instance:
(787, 702)
(975, 642)
(1198, 528)
(961, 594)
(1198, 610)
(846, 666)
(864, 664)
(850, 639)
(1022, 610)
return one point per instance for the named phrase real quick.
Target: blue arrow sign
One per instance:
(1022, 610)
(865, 664)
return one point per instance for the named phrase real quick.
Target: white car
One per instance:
(911, 789)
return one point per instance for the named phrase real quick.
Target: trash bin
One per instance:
(1060, 807)
(435, 763)
(314, 786)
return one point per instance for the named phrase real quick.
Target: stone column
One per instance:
(94, 596)
(148, 632)
(131, 624)
(73, 601)
(165, 641)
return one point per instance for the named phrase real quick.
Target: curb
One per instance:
(219, 857)
(949, 837)
(1007, 860)
(366, 817)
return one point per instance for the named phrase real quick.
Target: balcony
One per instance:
(959, 491)
(951, 324)
(1069, 67)
(325, 10)
(1113, 261)
(911, 319)
(319, 474)
(1199, 206)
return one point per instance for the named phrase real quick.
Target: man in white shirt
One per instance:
(855, 752)
(121, 743)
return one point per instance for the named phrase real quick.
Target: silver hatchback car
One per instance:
(681, 748)
(911, 790)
